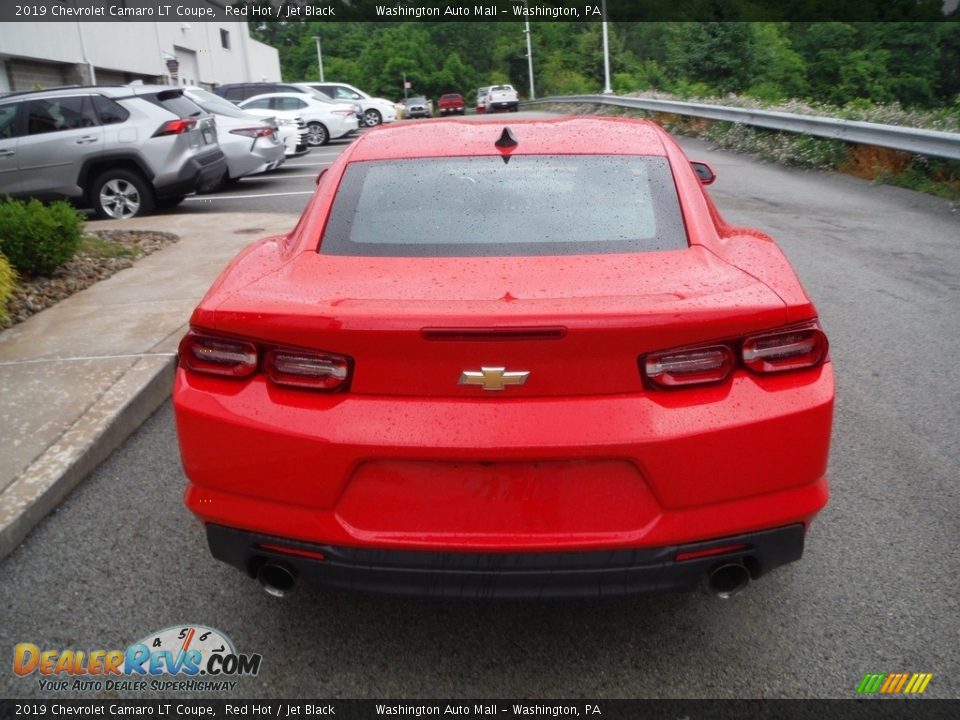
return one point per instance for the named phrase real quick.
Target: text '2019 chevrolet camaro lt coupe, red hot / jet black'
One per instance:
(518, 358)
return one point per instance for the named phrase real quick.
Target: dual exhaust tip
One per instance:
(277, 580)
(724, 581)
(727, 580)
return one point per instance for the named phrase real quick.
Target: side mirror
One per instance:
(320, 175)
(703, 171)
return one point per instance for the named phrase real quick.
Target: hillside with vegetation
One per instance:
(912, 64)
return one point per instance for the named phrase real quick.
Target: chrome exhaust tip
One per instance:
(727, 580)
(277, 580)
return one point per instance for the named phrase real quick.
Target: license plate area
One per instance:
(515, 503)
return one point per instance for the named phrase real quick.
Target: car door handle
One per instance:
(7, 153)
(86, 139)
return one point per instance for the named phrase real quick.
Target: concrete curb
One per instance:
(112, 417)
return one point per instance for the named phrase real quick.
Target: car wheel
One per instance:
(372, 118)
(120, 194)
(317, 134)
(164, 203)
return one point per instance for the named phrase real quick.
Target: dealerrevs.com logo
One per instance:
(179, 658)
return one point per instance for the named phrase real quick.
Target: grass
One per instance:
(97, 247)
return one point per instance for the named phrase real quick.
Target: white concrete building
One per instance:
(34, 55)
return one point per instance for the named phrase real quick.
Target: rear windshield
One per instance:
(533, 205)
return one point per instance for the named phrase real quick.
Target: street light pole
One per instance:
(533, 95)
(319, 56)
(606, 52)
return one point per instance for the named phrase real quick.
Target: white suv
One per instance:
(375, 110)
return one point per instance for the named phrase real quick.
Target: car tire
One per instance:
(317, 134)
(169, 202)
(372, 118)
(120, 194)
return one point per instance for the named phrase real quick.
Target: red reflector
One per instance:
(306, 369)
(175, 127)
(792, 349)
(692, 366)
(212, 355)
(710, 552)
(298, 552)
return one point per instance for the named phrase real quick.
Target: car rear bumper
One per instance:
(547, 474)
(508, 575)
(198, 173)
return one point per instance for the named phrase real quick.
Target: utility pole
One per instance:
(606, 52)
(533, 95)
(319, 56)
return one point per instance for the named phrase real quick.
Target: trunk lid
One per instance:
(576, 324)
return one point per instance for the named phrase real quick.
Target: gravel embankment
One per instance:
(88, 266)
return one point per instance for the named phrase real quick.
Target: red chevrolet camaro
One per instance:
(507, 358)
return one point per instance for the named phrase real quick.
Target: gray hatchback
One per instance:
(121, 150)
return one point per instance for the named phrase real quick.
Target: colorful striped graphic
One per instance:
(894, 683)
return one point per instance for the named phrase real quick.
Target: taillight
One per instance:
(214, 355)
(344, 113)
(689, 366)
(175, 127)
(240, 358)
(253, 132)
(306, 369)
(790, 349)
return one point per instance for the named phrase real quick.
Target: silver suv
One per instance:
(121, 150)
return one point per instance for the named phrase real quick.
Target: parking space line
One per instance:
(289, 165)
(258, 178)
(206, 198)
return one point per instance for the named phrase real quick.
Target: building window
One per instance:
(225, 39)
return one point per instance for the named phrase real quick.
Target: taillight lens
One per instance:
(689, 366)
(213, 355)
(253, 132)
(231, 357)
(176, 127)
(344, 113)
(306, 369)
(789, 349)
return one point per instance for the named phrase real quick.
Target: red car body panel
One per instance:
(584, 456)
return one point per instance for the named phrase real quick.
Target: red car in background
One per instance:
(451, 104)
(573, 379)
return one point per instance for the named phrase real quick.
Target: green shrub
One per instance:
(8, 283)
(38, 238)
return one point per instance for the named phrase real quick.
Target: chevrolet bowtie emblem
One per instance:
(493, 378)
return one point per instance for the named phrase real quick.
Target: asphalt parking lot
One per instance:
(285, 190)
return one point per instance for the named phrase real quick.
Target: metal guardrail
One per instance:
(912, 140)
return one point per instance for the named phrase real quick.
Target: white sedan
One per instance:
(325, 120)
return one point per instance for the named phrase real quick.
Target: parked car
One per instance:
(375, 110)
(481, 106)
(416, 107)
(238, 92)
(573, 378)
(121, 150)
(451, 104)
(325, 121)
(250, 144)
(292, 131)
(501, 97)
